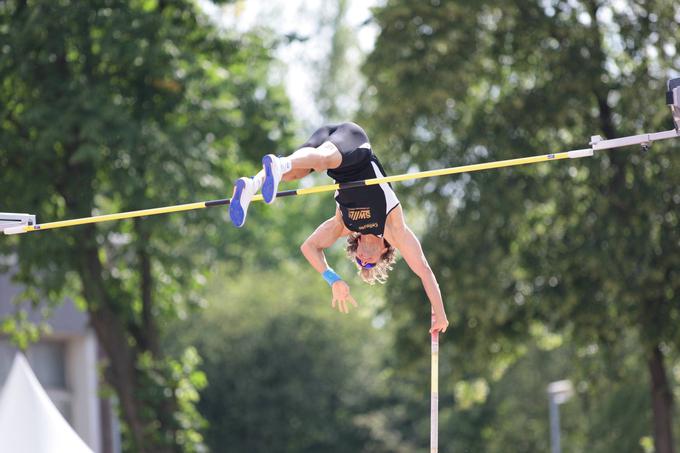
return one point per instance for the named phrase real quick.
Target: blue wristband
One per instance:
(330, 276)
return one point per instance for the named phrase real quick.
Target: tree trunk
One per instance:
(121, 372)
(662, 403)
(150, 424)
(111, 335)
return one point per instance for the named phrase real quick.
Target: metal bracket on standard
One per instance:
(673, 100)
(13, 223)
(594, 140)
(644, 140)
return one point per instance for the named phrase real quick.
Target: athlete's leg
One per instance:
(244, 189)
(329, 147)
(325, 157)
(295, 174)
(296, 166)
(303, 160)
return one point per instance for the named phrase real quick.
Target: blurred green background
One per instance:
(223, 340)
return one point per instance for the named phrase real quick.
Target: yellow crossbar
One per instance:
(304, 191)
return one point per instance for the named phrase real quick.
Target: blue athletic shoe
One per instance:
(238, 207)
(272, 170)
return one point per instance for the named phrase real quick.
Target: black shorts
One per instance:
(345, 136)
(354, 158)
(350, 140)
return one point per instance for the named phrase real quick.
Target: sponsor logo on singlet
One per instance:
(359, 214)
(368, 225)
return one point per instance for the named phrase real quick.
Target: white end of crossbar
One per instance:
(14, 230)
(575, 154)
(13, 223)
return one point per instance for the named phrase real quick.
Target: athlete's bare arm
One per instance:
(401, 236)
(322, 238)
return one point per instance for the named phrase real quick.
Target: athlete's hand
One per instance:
(440, 323)
(341, 296)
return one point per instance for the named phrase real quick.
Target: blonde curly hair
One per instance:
(377, 273)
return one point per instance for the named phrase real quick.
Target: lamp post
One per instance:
(558, 393)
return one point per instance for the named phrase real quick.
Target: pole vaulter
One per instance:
(11, 223)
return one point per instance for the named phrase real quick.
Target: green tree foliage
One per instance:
(112, 106)
(587, 247)
(286, 373)
(608, 416)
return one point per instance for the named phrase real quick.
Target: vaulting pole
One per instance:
(596, 144)
(434, 390)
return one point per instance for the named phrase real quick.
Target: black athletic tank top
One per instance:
(364, 209)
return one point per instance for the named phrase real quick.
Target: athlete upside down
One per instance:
(370, 216)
